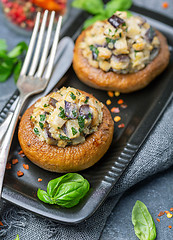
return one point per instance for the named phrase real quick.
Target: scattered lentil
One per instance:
(123, 105)
(120, 101)
(39, 179)
(8, 165)
(108, 102)
(161, 214)
(169, 226)
(26, 166)
(117, 118)
(110, 94)
(167, 212)
(165, 5)
(1, 224)
(171, 209)
(15, 161)
(121, 125)
(115, 110)
(158, 219)
(117, 94)
(20, 174)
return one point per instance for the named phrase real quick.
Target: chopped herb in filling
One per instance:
(62, 113)
(72, 96)
(74, 131)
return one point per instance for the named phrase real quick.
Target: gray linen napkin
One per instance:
(155, 155)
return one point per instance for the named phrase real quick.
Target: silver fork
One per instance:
(33, 82)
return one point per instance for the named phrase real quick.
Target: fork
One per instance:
(35, 81)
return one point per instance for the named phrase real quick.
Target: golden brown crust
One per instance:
(71, 158)
(124, 83)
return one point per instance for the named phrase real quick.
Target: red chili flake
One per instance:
(169, 226)
(21, 152)
(124, 105)
(1, 224)
(120, 101)
(8, 166)
(165, 5)
(15, 161)
(161, 214)
(115, 110)
(20, 174)
(121, 125)
(158, 219)
(26, 166)
(40, 179)
(171, 209)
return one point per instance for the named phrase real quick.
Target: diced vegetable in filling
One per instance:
(66, 117)
(121, 44)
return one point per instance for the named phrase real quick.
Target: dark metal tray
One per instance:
(144, 109)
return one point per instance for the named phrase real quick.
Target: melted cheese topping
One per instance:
(66, 117)
(121, 44)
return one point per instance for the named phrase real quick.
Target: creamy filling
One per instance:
(66, 117)
(120, 44)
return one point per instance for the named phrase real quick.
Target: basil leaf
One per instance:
(44, 197)
(53, 185)
(18, 50)
(62, 113)
(63, 137)
(3, 45)
(117, 5)
(81, 122)
(42, 117)
(17, 70)
(17, 237)
(92, 20)
(41, 125)
(74, 131)
(69, 194)
(36, 131)
(144, 225)
(93, 7)
(72, 96)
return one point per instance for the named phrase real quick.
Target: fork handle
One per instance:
(6, 141)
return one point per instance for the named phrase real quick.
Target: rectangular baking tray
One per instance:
(144, 108)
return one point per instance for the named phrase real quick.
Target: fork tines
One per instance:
(38, 46)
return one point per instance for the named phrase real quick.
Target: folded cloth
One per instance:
(155, 155)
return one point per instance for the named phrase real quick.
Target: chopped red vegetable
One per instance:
(15, 161)
(20, 173)
(26, 166)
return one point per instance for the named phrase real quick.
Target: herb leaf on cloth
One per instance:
(144, 225)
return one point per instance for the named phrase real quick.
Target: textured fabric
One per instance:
(155, 155)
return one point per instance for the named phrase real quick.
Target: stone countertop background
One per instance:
(155, 192)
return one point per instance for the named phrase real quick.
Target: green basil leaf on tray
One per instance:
(144, 225)
(17, 237)
(44, 197)
(65, 191)
(92, 20)
(114, 5)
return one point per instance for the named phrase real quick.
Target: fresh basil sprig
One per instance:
(101, 11)
(11, 62)
(65, 191)
(144, 225)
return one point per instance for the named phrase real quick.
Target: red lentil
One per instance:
(26, 166)
(15, 161)
(121, 125)
(110, 94)
(158, 219)
(8, 166)
(165, 5)
(40, 179)
(169, 226)
(1, 224)
(20, 173)
(161, 214)
(123, 105)
(120, 101)
(115, 110)
(171, 209)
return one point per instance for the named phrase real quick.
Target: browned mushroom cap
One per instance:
(71, 158)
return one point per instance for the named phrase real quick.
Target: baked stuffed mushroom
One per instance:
(121, 54)
(66, 131)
